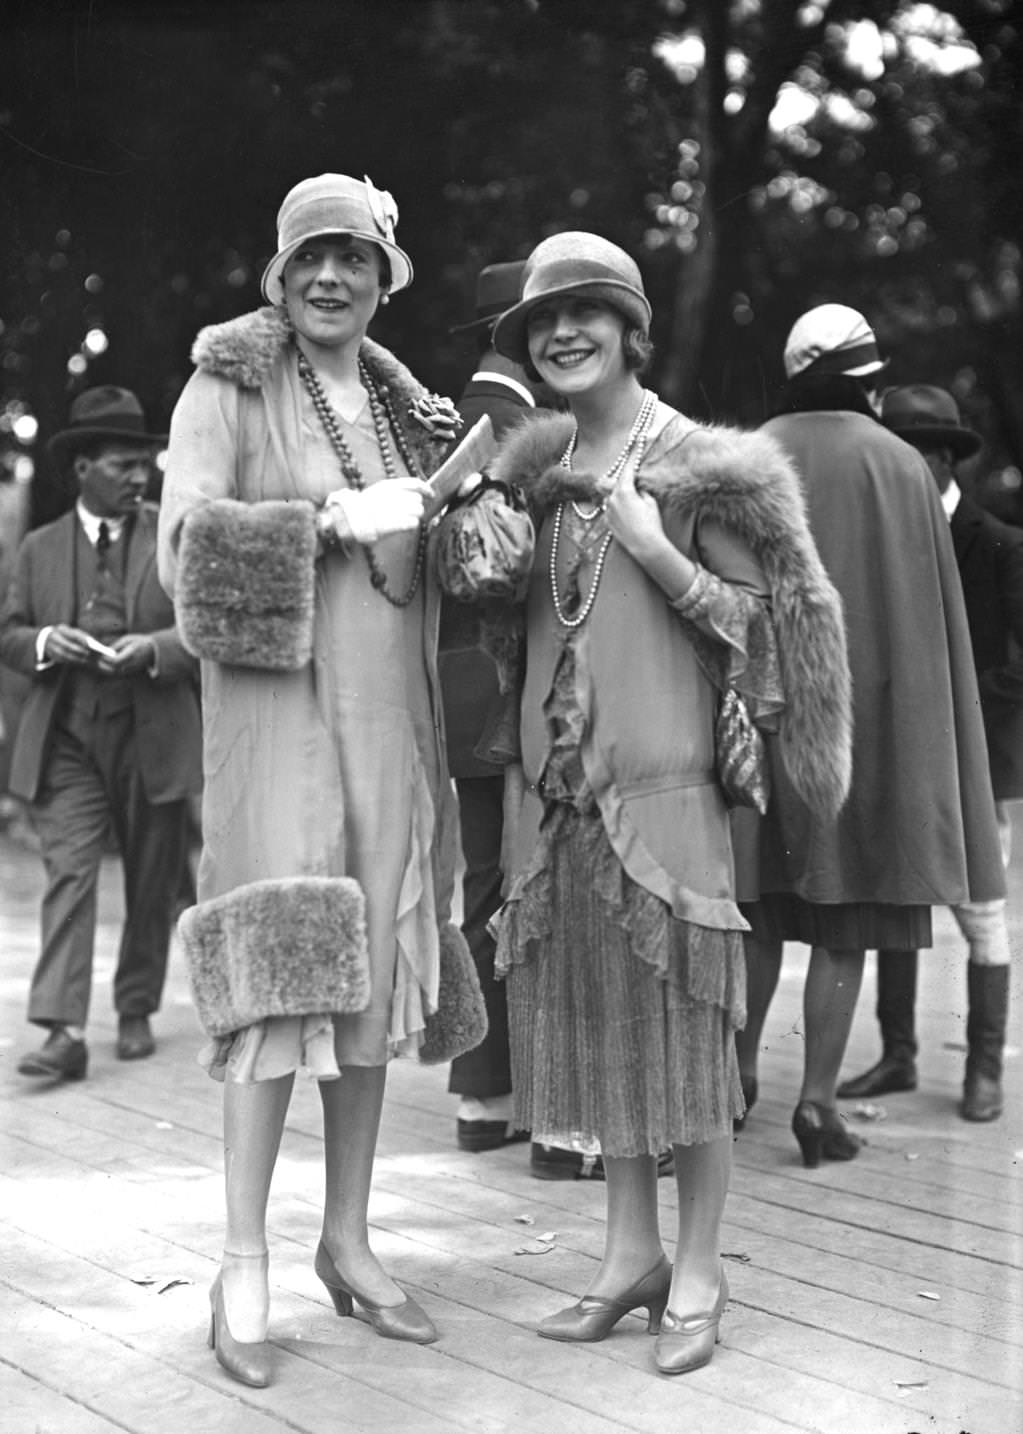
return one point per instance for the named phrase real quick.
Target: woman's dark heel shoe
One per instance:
(821, 1131)
(405, 1321)
(594, 1317)
(248, 1363)
(687, 1344)
(749, 1094)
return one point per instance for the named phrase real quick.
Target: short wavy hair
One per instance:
(636, 346)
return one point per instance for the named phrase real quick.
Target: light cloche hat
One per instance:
(573, 263)
(832, 339)
(336, 204)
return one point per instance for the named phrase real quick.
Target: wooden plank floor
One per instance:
(880, 1297)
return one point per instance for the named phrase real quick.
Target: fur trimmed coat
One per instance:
(649, 676)
(333, 770)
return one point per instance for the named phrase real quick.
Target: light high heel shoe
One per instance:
(249, 1363)
(594, 1316)
(687, 1344)
(406, 1321)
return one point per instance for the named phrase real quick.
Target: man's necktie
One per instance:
(102, 546)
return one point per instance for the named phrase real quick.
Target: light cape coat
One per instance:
(283, 790)
(918, 827)
(41, 594)
(731, 501)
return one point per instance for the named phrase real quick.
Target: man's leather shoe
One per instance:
(891, 1074)
(479, 1135)
(552, 1162)
(134, 1038)
(982, 1098)
(60, 1057)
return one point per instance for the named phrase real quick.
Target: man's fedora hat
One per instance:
(832, 339)
(498, 287)
(925, 415)
(335, 204)
(568, 265)
(104, 412)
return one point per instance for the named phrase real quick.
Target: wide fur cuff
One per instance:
(245, 586)
(459, 1023)
(291, 947)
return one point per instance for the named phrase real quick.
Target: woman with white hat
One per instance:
(661, 548)
(294, 539)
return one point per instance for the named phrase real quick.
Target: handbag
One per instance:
(485, 545)
(740, 754)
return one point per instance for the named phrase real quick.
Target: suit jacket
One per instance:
(990, 558)
(469, 684)
(167, 720)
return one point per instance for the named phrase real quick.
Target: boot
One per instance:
(896, 1012)
(988, 995)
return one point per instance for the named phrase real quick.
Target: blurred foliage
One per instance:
(757, 156)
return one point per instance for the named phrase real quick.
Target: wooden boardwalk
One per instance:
(880, 1297)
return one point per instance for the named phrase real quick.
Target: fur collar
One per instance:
(745, 482)
(246, 350)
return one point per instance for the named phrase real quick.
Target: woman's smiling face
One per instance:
(332, 287)
(575, 343)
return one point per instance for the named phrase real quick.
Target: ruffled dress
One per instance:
(622, 1016)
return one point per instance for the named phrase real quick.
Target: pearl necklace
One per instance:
(638, 436)
(384, 424)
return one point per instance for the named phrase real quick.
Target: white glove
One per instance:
(392, 506)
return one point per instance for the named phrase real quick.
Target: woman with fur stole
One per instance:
(295, 485)
(671, 561)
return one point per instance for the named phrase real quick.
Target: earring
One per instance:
(385, 298)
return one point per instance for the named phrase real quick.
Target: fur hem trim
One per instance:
(246, 583)
(290, 947)
(459, 1023)
(246, 349)
(746, 482)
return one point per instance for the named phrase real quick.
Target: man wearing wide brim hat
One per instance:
(109, 736)
(918, 828)
(478, 724)
(989, 555)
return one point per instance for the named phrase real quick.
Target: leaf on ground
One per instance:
(735, 1255)
(142, 1279)
(927, 1295)
(912, 1155)
(866, 1110)
(172, 1285)
(537, 1249)
(524, 1220)
(908, 1384)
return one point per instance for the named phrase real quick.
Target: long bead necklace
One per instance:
(638, 435)
(384, 424)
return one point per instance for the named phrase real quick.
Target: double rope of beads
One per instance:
(638, 435)
(385, 424)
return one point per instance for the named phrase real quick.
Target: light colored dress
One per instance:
(334, 770)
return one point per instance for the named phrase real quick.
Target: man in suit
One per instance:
(109, 737)
(478, 731)
(989, 555)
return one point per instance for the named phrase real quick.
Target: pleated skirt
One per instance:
(621, 1017)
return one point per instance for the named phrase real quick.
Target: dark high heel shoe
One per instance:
(821, 1131)
(594, 1316)
(405, 1321)
(750, 1090)
(248, 1363)
(687, 1344)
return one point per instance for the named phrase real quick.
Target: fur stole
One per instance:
(745, 482)
(245, 351)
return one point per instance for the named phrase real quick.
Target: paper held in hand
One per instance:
(471, 456)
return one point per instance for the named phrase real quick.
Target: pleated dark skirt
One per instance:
(845, 926)
(622, 1017)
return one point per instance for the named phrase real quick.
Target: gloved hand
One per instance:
(393, 506)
